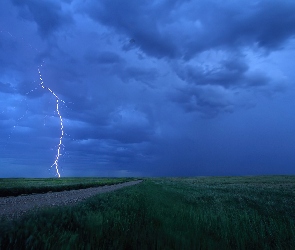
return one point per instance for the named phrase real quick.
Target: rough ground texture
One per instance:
(13, 207)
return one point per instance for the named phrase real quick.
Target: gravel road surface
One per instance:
(13, 207)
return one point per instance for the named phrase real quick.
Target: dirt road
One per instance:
(13, 207)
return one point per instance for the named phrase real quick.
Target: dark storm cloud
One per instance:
(125, 125)
(256, 79)
(163, 87)
(6, 88)
(229, 73)
(208, 100)
(161, 31)
(29, 90)
(105, 57)
(141, 24)
(48, 15)
(115, 64)
(139, 74)
(269, 23)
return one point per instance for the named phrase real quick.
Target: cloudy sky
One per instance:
(147, 88)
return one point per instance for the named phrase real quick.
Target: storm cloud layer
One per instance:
(149, 88)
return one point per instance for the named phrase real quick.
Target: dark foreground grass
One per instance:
(189, 213)
(18, 186)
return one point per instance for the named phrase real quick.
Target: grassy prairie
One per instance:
(168, 213)
(17, 186)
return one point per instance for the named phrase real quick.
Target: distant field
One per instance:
(17, 186)
(168, 213)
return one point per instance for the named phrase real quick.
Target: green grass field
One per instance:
(17, 186)
(168, 213)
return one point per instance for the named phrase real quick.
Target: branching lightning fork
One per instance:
(61, 123)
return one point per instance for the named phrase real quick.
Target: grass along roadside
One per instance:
(18, 186)
(168, 213)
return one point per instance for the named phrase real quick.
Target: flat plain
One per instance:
(255, 212)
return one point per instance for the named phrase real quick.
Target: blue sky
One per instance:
(150, 88)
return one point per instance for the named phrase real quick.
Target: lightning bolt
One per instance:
(61, 123)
